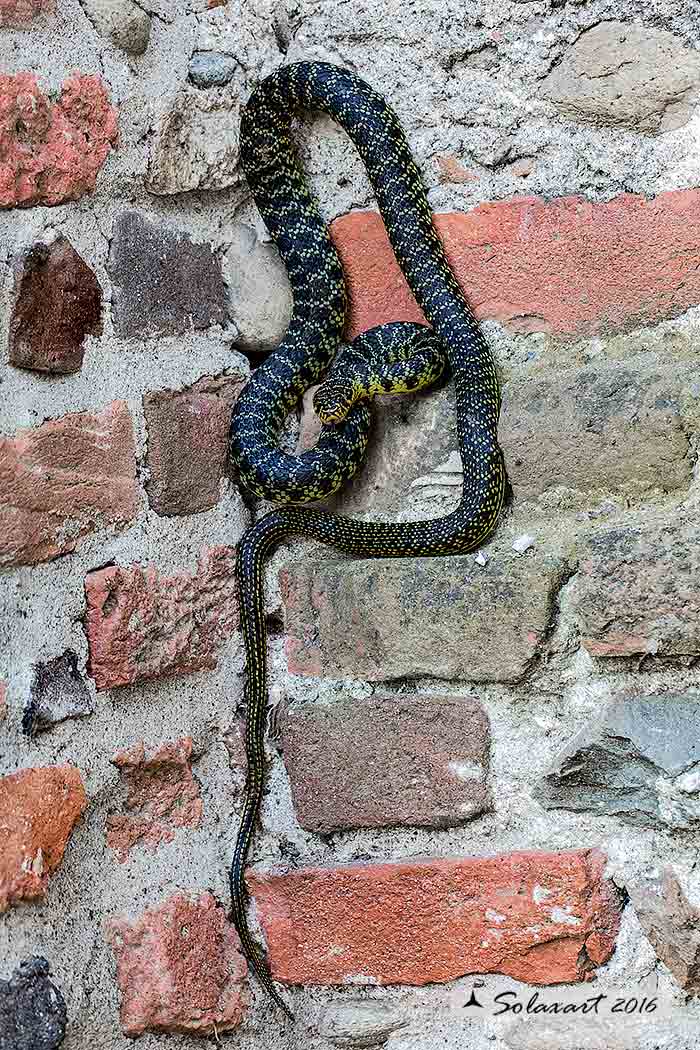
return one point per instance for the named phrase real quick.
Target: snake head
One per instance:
(333, 400)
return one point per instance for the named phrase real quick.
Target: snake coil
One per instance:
(316, 277)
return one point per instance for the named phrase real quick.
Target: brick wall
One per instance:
(483, 768)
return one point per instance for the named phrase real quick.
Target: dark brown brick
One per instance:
(387, 761)
(58, 301)
(672, 925)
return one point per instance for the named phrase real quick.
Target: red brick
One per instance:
(187, 443)
(568, 266)
(543, 918)
(39, 808)
(61, 146)
(18, 14)
(143, 625)
(179, 969)
(65, 479)
(162, 796)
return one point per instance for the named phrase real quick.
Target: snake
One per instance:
(270, 162)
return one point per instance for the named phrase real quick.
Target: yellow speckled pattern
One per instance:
(316, 277)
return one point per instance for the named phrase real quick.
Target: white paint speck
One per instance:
(562, 915)
(540, 893)
(689, 783)
(466, 770)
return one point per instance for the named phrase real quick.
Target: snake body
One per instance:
(316, 277)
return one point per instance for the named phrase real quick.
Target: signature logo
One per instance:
(538, 1002)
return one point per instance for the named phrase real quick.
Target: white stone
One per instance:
(453, 465)
(196, 143)
(259, 292)
(523, 543)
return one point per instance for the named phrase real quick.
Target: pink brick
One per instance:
(162, 795)
(142, 625)
(18, 14)
(61, 146)
(65, 479)
(179, 969)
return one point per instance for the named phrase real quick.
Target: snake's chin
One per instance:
(333, 415)
(332, 420)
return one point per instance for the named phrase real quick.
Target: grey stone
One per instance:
(359, 1025)
(639, 761)
(32, 1009)
(603, 428)
(122, 22)
(211, 69)
(451, 618)
(58, 692)
(260, 297)
(628, 75)
(387, 761)
(672, 925)
(195, 146)
(163, 283)
(635, 592)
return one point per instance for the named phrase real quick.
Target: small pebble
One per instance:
(523, 543)
(481, 559)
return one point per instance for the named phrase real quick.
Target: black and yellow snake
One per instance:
(278, 185)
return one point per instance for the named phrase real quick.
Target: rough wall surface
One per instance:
(523, 795)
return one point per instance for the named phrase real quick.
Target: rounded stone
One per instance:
(122, 21)
(260, 298)
(211, 69)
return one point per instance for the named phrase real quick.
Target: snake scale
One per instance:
(290, 213)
